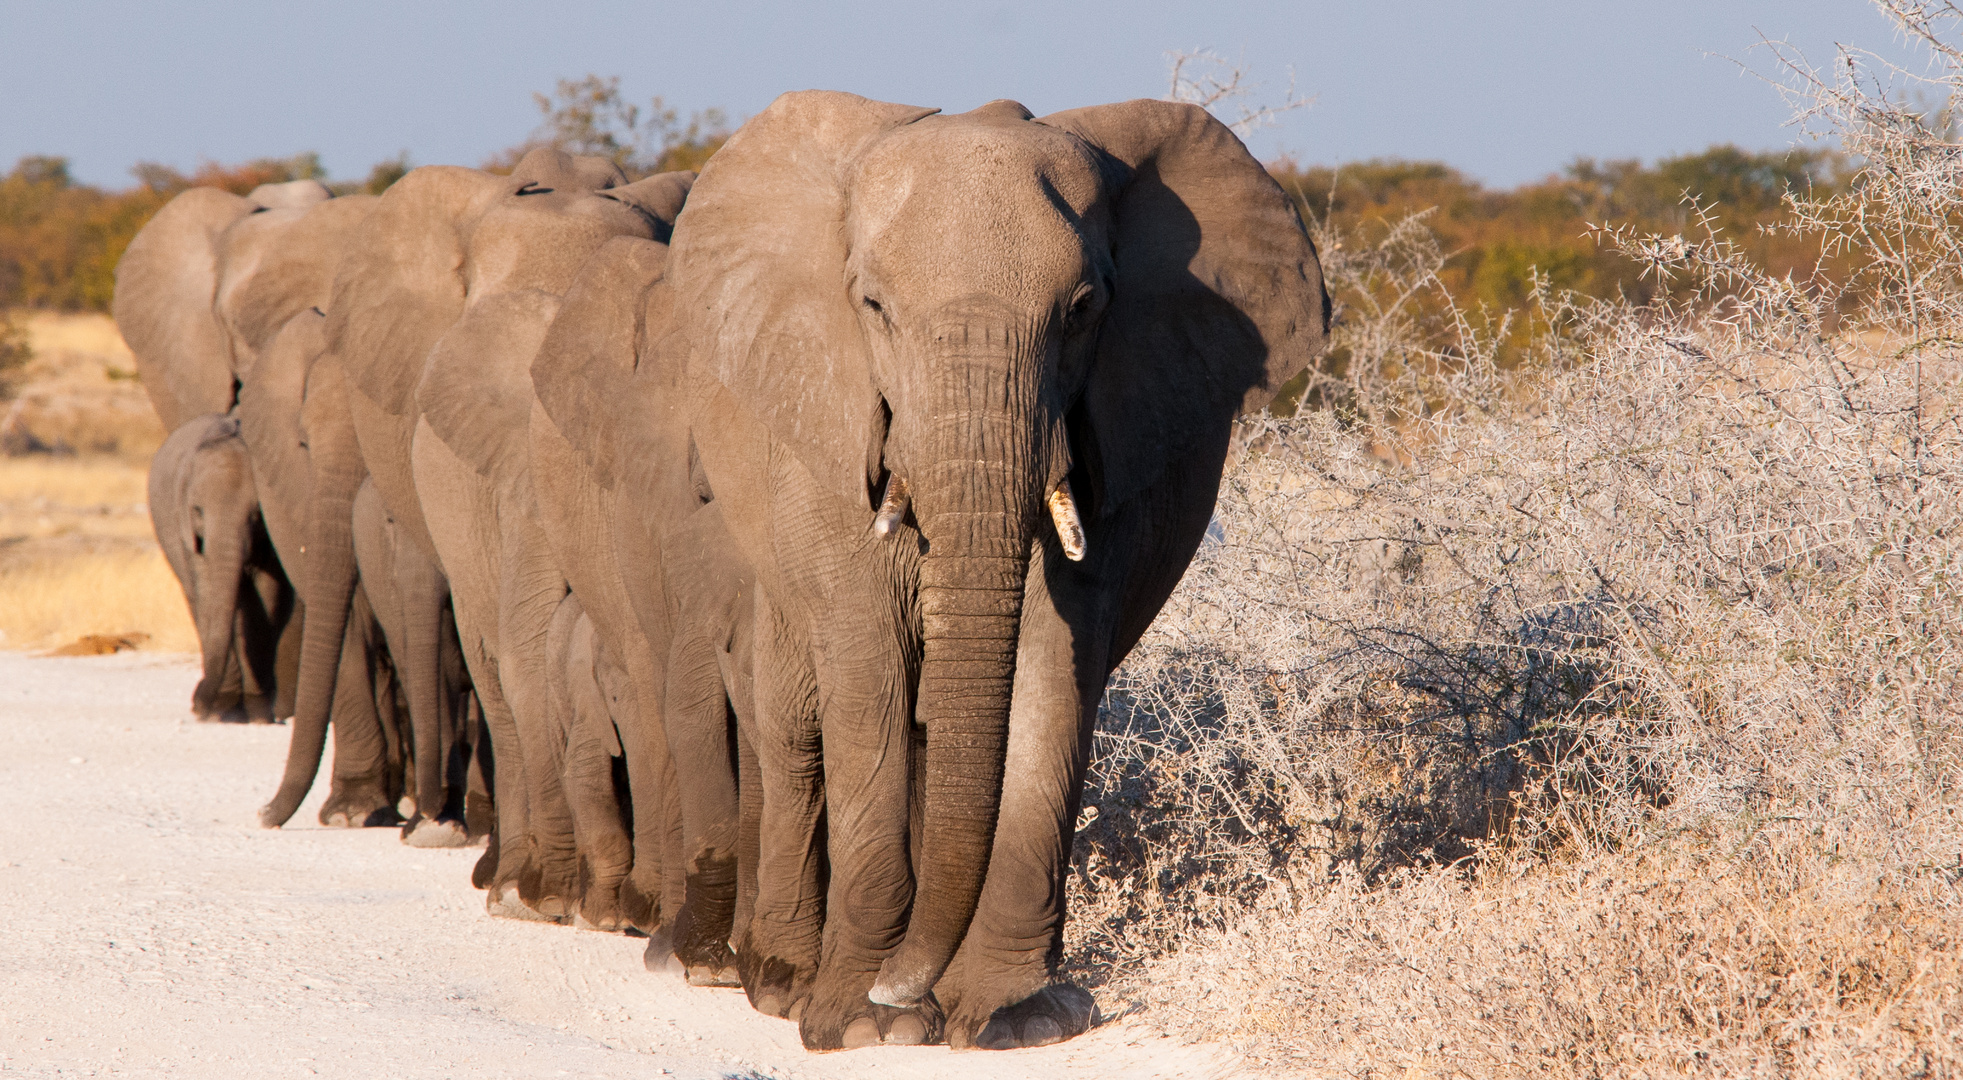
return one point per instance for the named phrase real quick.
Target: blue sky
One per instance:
(1508, 91)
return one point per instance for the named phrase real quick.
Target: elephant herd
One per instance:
(746, 554)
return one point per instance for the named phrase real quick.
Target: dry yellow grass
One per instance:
(54, 600)
(81, 394)
(77, 556)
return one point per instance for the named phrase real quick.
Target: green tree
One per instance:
(589, 116)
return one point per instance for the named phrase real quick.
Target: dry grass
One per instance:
(52, 601)
(79, 393)
(77, 555)
(1599, 719)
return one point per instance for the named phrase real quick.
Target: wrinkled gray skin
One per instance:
(680, 624)
(436, 319)
(984, 305)
(406, 590)
(205, 510)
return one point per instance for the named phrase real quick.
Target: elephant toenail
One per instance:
(796, 1012)
(769, 1005)
(861, 1032)
(907, 1030)
(998, 1035)
(1041, 1031)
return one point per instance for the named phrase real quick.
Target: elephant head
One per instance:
(206, 511)
(1014, 324)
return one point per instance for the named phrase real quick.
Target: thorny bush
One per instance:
(1597, 715)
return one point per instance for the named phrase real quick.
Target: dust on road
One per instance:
(151, 929)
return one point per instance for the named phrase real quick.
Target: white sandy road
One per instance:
(149, 928)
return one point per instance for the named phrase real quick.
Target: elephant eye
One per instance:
(872, 305)
(1080, 306)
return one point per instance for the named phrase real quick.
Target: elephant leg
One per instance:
(424, 594)
(626, 678)
(697, 719)
(512, 875)
(360, 794)
(867, 760)
(259, 609)
(778, 953)
(606, 849)
(530, 591)
(462, 507)
(592, 547)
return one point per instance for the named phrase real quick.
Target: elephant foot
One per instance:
(638, 909)
(358, 805)
(1056, 1012)
(435, 833)
(776, 986)
(713, 974)
(599, 908)
(659, 957)
(842, 1018)
(347, 817)
(486, 869)
(505, 903)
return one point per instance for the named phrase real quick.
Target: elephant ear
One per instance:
(476, 392)
(585, 364)
(276, 265)
(400, 285)
(166, 284)
(758, 273)
(659, 199)
(1218, 299)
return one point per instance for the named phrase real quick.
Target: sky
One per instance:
(1507, 90)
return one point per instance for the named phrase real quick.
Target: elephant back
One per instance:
(166, 288)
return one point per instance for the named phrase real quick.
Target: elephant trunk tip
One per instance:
(899, 990)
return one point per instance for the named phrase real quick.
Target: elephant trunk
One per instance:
(222, 569)
(329, 594)
(978, 502)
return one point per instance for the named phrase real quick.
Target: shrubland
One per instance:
(1578, 691)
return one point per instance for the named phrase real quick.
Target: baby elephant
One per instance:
(205, 510)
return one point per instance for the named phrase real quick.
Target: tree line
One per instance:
(60, 240)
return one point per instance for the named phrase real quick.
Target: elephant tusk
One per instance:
(1069, 528)
(892, 508)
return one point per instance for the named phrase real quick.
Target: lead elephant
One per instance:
(963, 387)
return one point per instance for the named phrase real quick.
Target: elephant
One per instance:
(293, 413)
(204, 291)
(679, 622)
(435, 318)
(219, 297)
(963, 388)
(205, 510)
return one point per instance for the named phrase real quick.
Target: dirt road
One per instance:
(149, 928)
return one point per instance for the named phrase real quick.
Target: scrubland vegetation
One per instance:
(1577, 692)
